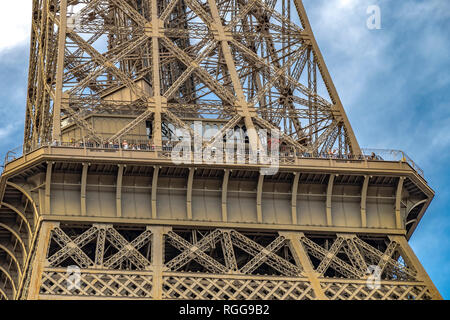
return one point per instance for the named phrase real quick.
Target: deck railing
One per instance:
(285, 155)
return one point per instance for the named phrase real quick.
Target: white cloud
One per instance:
(5, 132)
(383, 76)
(15, 23)
(353, 53)
(347, 3)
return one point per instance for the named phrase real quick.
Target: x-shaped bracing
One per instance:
(72, 248)
(329, 258)
(229, 239)
(385, 258)
(352, 246)
(127, 250)
(264, 255)
(192, 65)
(195, 251)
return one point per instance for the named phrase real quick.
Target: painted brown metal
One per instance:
(193, 198)
(196, 230)
(158, 57)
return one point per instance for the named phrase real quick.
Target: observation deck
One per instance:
(382, 191)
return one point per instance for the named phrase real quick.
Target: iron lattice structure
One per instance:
(83, 218)
(225, 264)
(254, 62)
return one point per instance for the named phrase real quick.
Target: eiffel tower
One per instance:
(94, 206)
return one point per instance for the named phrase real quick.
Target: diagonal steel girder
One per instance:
(195, 251)
(263, 255)
(128, 47)
(191, 68)
(72, 248)
(212, 83)
(279, 82)
(227, 95)
(228, 251)
(274, 71)
(385, 257)
(251, 247)
(337, 107)
(102, 60)
(83, 123)
(329, 258)
(127, 250)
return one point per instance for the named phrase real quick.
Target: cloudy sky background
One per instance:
(394, 83)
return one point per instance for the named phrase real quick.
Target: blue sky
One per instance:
(394, 84)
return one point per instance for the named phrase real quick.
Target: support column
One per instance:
(56, 133)
(154, 190)
(226, 176)
(259, 198)
(155, 26)
(329, 195)
(398, 202)
(422, 275)
(119, 191)
(301, 259)
(338, 109)
(83, 188)
(189, 193)
(40, 260)
(48, 182)
(364, 201)
(294, 197)
(158, 259)
(100, 247)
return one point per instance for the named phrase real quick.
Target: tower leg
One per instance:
(157, 259)
(40, 259)
(302, 259)
(414, 261)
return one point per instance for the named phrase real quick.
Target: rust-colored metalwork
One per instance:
(166, 61)
(97, 192)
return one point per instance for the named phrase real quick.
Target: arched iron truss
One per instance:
(18, 223)
(135, 224)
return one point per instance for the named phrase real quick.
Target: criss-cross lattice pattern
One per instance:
(273, 256)
(115, 261)
(387, 291)
(351, 257)
(238, 288)
(101, 246)
(98, 284)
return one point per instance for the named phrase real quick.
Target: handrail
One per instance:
(285, 156)
(393, 155)
(13, 154)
